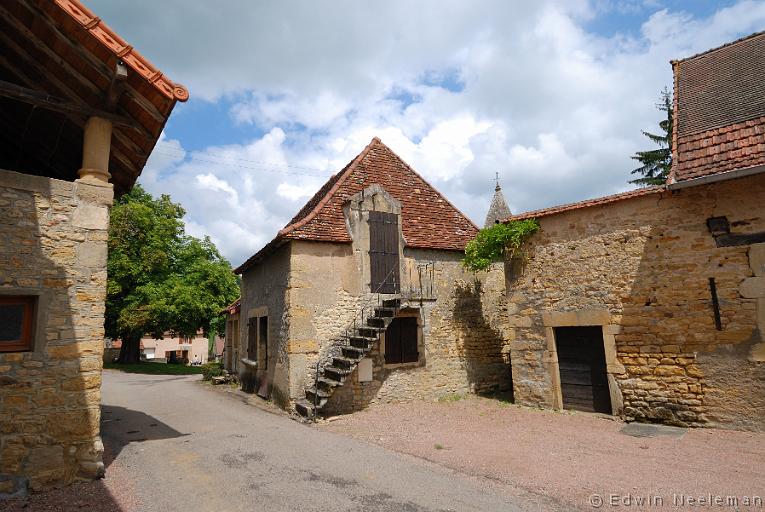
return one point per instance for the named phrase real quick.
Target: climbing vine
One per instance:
(491, 244)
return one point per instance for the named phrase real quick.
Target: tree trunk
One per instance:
(131, 349)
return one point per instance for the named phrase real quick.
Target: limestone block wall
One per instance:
(463, 344)
(53, 245)
(640, 268)
(264, 293)
(325, 293)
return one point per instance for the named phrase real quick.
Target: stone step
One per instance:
(336, 374)
(355, 352)
(392, 303)
(305, 408)
(321, 395)
(362, 342)
(385, 312)
(327, 384)
(346, 363)
(376, 322)
(369, 332)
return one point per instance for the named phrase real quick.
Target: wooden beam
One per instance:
(77, 120)
(86, 55)
(69, 93)
(48, 102)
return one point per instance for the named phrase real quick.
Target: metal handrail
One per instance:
(352, 325)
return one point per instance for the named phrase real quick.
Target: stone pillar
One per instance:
(96, 144)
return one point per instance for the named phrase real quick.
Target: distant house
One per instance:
(650, 304)
(175, 348)
(365, 284)
(81, 111)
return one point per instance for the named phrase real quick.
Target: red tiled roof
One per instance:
(429, 221)
(234, 307)
(720, 110)
(588, 203)
(119, 48)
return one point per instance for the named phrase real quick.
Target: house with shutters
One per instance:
(650, 304)
(362, 298)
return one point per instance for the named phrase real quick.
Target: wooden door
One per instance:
(401, 341)
(383, 252)
(582, 363)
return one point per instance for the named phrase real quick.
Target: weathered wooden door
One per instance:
(582, 363)
(401, 341)
(383, 252)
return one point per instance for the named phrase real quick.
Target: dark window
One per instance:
(252, 339)
(16, 323)
(263, 342)
(401, 341)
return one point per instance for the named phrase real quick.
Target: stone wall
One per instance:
(640, 268)
(54, 236)
(264, 293)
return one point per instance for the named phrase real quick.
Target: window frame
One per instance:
(27, 341)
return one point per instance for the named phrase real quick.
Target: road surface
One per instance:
(175, 443)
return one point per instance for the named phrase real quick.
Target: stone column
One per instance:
(96, 144)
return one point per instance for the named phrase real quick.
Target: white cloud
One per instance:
(460, 90)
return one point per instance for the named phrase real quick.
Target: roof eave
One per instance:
(715, 178)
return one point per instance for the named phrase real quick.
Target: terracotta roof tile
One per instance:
(429, 221)
(588, 203)
(117, 46)
(720, 110)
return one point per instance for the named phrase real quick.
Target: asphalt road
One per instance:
(177, 444)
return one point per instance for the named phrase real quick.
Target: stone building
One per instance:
(80, 111)
(650, 304)
(365, 286)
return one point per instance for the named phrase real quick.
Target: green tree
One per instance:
(656, 163)
(159, 278)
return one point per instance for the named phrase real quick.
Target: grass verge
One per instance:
(155, 368)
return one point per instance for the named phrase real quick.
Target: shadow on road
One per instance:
(121, 426)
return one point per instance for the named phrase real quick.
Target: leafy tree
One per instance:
(492, 243)
(656, 163)
(159, 278)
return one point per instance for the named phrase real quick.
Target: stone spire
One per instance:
(498, 211)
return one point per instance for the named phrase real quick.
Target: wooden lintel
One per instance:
(736, 239)
(48, 102)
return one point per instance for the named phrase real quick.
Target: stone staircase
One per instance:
(355, 345)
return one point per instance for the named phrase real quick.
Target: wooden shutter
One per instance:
(393, 343)
(409, 353)
(401, 341)
(252, 339)
(263, 342)
(383, 252)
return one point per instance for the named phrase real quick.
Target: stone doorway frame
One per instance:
(583, 318)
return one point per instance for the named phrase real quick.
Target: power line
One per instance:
(260, 168)
(262, 164)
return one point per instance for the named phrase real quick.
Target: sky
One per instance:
(551, 94)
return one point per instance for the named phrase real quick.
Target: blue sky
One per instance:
(551, 94)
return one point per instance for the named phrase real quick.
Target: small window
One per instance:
(16, 323)
(401, 341)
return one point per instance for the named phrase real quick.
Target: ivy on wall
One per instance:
(492, 244)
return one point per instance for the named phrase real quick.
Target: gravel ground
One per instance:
(568, 457)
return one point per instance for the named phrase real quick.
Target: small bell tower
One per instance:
(498, 210)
